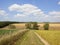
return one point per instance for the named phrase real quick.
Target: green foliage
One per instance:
(3, 24)
(35, 26)
(27, 25)
(32, 25)
(46, 26)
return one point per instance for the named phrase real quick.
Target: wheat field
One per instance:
(55, 26)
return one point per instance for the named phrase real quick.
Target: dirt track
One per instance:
(29, 39)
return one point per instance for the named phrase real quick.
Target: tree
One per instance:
(32, 25)
(46, 26)
(35, 26)
(28, 25)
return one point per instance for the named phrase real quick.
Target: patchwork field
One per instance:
(52, 26)
(55, 26)
(20, 35)
(53, 37)
(17, 25)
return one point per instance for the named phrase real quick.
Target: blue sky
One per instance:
(30, 10)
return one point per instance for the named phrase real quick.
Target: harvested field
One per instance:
(19, 25)
(52, 26)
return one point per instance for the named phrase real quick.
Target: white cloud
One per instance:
(19, 15)
(33, 13)
(14, 7)
(26, 9)
(59, 2)
(3, 13)
(55, 14)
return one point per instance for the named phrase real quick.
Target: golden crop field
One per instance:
(51, 26)
(19, 25)
(55, 26)
(52, 37)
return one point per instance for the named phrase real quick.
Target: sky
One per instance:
(30, 10)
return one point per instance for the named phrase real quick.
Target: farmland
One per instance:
(22, 36)
(8, 37)
(6, 32)
(29, 39)
(53, 37)
(52, 26)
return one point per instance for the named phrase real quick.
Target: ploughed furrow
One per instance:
(29, 39)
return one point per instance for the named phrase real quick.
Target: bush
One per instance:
(32, 25)
(46, 26)
(28, 25)
(35, 26)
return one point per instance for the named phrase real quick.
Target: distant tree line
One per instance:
(29, 25)
(3, 24)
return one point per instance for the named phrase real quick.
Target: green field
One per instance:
(2, 32)
(53, 37)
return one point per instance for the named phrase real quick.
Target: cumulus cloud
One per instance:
(3, 13)
(33, 13)
(19, 15)
(59, 2)
(14, 7)
(26, 9)
(55, 14)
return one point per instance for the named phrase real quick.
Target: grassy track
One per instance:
(29, 39)
(53, 37)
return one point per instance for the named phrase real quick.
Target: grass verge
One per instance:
(11, 39)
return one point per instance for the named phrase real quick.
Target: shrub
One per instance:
(28, 25)
(46, 26)
(35, 26)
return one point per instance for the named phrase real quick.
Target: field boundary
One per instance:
(44, 41)
(11, 39)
